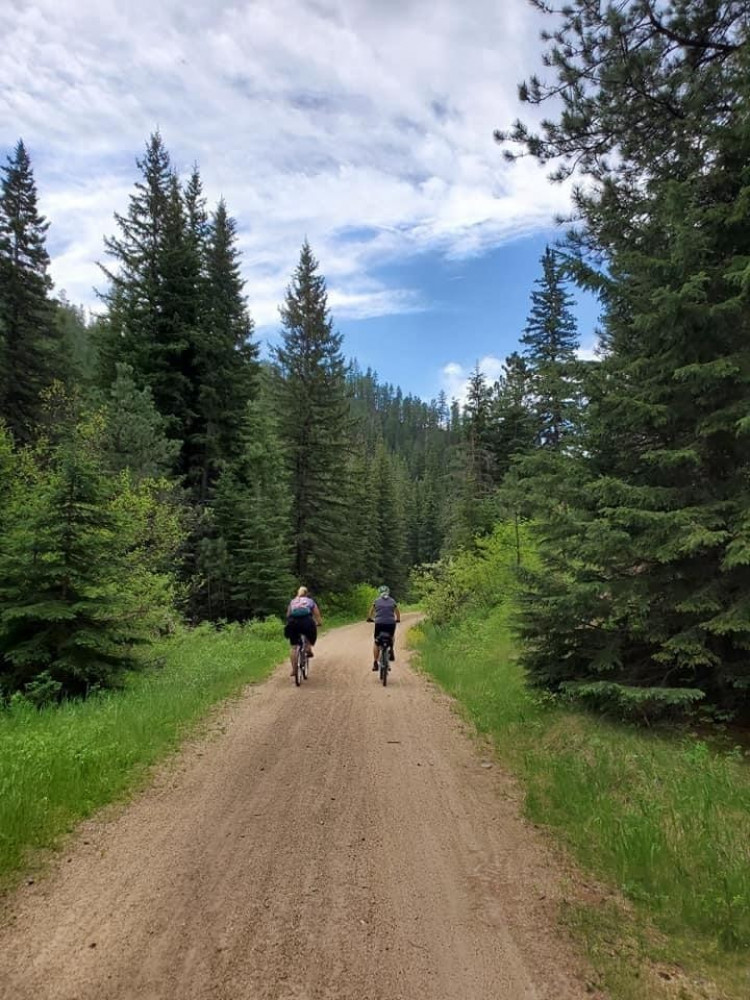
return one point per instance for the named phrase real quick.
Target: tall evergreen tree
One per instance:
(361, 539)
(135, 331)
(477, 418)
(642, 602)
(31, 354)
(77, 345)
(468, 511)
(134, 436)
(513, 421)
(154, 295)
(226, 354)
(252, 509)
(390, 565)
(550, 340)
(315, 427)
(75, 592)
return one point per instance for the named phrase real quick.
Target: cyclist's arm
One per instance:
(371, 612)
(316, 615)
(397, 613)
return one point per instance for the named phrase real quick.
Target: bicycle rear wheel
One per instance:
(298, 665)
(384, 665)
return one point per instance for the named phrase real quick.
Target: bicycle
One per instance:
(301, 661)
(383, 641)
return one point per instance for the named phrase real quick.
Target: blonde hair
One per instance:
(302, 592)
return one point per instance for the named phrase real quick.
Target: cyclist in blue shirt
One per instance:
(385, 613)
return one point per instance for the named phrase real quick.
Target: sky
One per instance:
(364, 126)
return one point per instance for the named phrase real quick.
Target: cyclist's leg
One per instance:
(292, 635)
(311, 636)
(375, 648)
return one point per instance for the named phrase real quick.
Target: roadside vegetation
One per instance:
(60, 763)
(659, 815)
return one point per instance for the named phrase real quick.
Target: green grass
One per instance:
(662, 817)
(60, 764)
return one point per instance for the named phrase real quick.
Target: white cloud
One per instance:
(590, 352)
(365, 126)
(454, 377)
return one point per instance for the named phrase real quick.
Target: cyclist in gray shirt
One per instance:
(385, 613)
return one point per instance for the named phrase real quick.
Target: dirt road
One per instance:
(336, 842)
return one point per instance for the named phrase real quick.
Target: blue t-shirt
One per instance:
(385, 611)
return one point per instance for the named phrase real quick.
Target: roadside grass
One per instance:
(661, 816)
(59, 764)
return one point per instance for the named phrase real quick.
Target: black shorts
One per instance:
(304, 625)
(388, 629)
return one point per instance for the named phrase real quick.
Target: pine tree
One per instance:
(642, 604)
(134, 435)
(72, 604)
(252, 512)
(430, 504)
(154, 295)
(135, 329)
(315, 428)
(31, 355)
(469, 509)
(513, 421)
(477, 418)
(361, 540)
(390, 565)
(77, 345)
(226, 354)
(550, 341)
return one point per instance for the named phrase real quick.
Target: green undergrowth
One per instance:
(661, 816)
(59, 764)
(347, 607)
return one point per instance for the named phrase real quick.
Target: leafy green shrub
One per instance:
(350, 604)
(472, 579)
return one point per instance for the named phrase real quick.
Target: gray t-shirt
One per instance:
(385, 611)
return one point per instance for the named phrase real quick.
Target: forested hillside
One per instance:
(156, 468)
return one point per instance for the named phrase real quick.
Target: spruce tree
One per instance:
(513, 420)
(390, 565)
(469, 509)
(642, 601)
(252, 512)
(154, 295)
(477, 423)
(550, 340)
(135, 331)
(77, 345)
(226, 353)
(315, 428)
(31, 354)
(70, 609)
(134, 435)
(361, 540)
